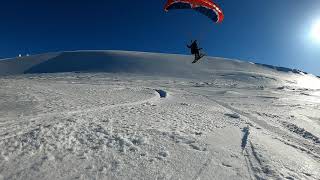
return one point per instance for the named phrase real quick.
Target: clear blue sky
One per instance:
(266, 31)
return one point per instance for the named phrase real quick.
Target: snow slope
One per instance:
(134, 115)
(123, 61)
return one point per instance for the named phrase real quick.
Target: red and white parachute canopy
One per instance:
(206, 7)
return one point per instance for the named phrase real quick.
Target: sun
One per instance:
(315, 31)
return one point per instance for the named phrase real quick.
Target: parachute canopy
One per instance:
(206, 7)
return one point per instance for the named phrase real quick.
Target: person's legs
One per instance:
(197, 55)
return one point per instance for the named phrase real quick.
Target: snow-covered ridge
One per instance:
(283, 69)
(155, 64)
(124, 61)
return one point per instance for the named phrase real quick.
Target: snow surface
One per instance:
(134, 115)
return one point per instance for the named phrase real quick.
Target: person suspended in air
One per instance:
(195, 50)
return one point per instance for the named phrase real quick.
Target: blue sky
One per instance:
(272, 32)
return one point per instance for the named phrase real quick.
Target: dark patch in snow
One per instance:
(307, 174)
(305, 94)
(226, 165)
(203, 84)
(195, 147)
(290, 178)
(246, 132)
(164, 154)
(162, 93)
(267, 97)
(184, 104)
(301, 131)
(268, 115)
(234, 115)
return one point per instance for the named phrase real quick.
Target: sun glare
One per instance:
(309, 82)
(315, 31)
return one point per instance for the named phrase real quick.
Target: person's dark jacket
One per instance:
(194, 47)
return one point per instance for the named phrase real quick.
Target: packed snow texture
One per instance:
(133, 115)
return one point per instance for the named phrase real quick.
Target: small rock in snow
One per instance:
(164, 154)
(185, 104)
